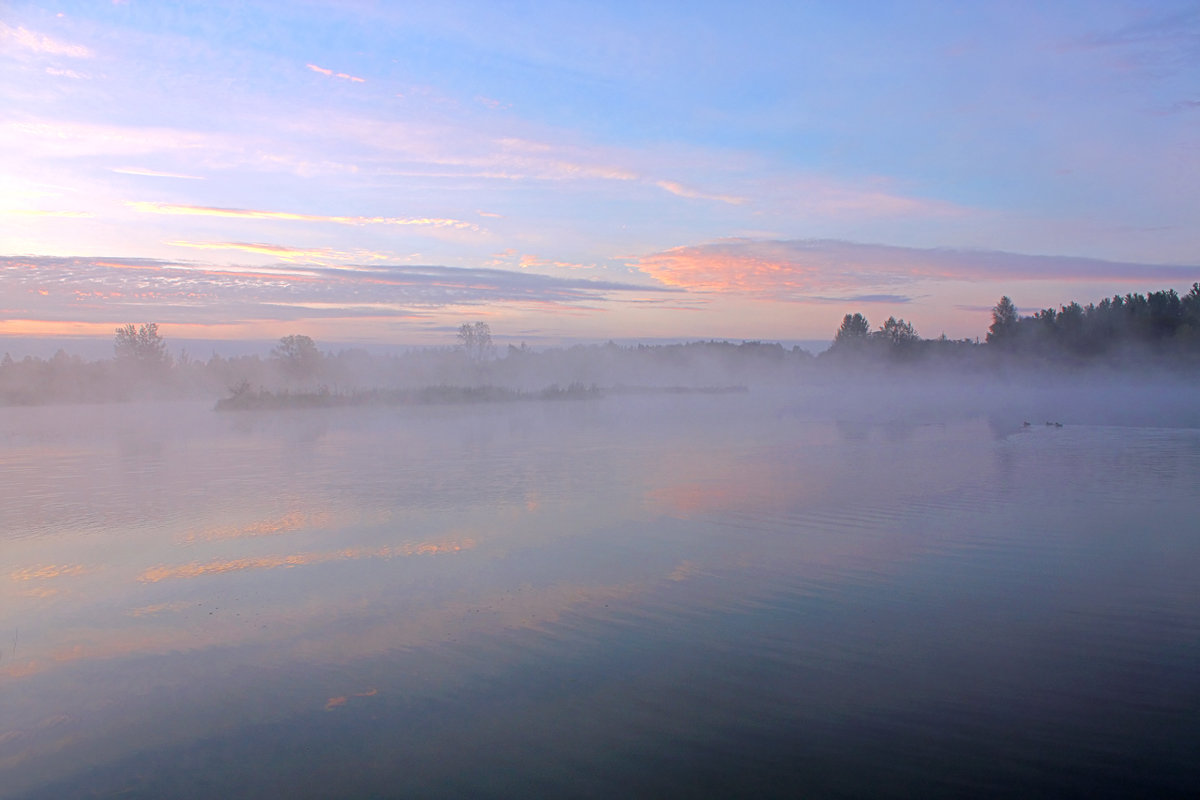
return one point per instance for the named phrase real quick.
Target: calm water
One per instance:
(660, 596)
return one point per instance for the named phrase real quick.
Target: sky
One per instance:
(379, 173)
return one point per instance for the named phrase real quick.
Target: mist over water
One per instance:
(851, 586)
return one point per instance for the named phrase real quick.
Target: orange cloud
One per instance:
(249, 213)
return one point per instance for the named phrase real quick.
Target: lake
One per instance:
(692, 595)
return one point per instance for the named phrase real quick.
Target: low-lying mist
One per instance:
(1127, 360)
(884, 386)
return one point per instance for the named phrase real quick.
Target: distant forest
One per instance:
(1160, 329)
(1133, 327)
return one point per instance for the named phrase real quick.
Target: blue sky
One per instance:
(380, 172)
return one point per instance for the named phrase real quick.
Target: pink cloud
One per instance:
(680, 190)
(804, 269)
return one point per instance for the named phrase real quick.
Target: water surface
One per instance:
(658, 596)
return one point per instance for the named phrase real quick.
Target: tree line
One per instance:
(1158, 323)
(1161, 327)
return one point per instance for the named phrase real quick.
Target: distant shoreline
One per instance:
(245, 399)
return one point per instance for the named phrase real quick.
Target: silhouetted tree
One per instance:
(475, 340)
(1004, 321)
(297, 356)
(854, 329)
(141, 346)
(897, 331)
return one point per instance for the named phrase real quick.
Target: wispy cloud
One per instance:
(683, 191)
(80, 289)
(1172, 29)
(49, 571)
(885, 299)
(332, 74)
(809, 270)
(153, 173)
(511, 259)
(463, 152)
(277, 250)
(318, 255)
(810, 196)
(37, 212)
(45, 138)
(33, 141)
(67, 73)
(40, 43)
(250, 213)
(1156, 43)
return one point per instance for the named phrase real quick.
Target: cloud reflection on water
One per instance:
(549, 523)
(196, 569)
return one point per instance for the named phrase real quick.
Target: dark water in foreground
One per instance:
(696, 596)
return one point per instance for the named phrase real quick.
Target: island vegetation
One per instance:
(1134, 331)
